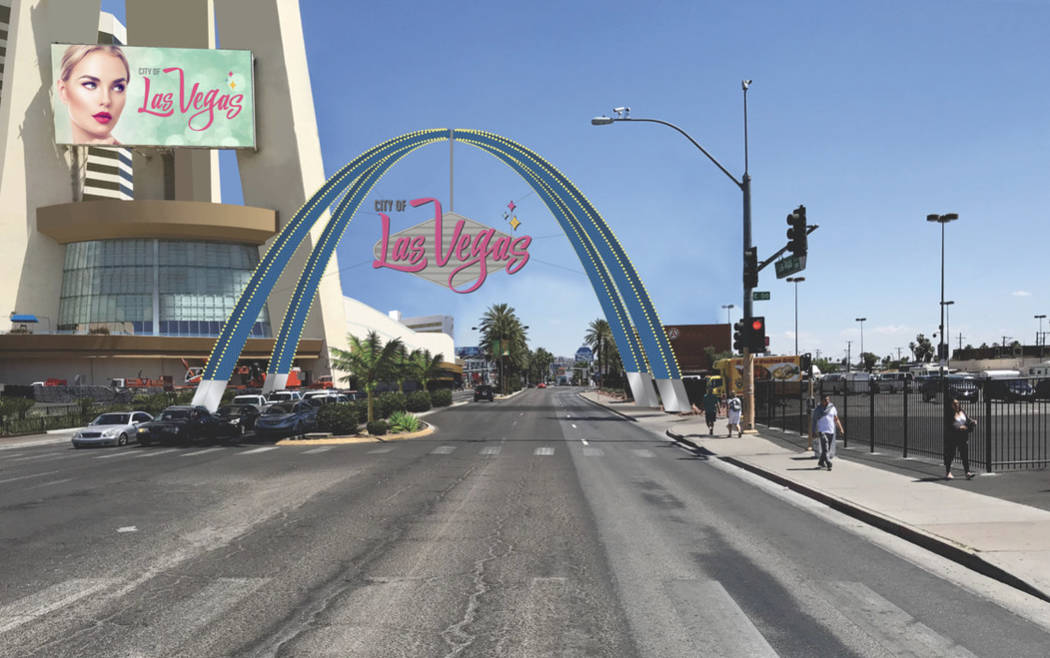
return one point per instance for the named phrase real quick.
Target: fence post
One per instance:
(801, 418)
(904, 392)
(845, 411)
(871, 416)
(987, 428)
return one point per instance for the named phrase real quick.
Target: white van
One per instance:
(1000, 374)
(892, 382)
(857, 382)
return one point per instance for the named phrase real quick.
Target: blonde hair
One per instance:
(76, 54)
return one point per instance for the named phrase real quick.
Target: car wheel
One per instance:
(77, 446)
(122, 440)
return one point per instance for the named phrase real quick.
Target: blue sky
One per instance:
(872, 115)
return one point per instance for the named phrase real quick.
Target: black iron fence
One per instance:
(40, 424)
(1013, 417)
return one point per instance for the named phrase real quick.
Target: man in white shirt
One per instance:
(825, 421)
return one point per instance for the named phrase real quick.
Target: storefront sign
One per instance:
(123, 95)
(450, 250)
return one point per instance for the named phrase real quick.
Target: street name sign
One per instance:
(759, 295)
(790, 265)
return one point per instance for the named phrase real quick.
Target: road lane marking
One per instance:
(490, 450)
(154, 453)
(379, 451)
(443, 450)
(584, 441)
(128, 528)
(48, 484)
(573, 425)
(895, 630)
(715, 621)
(26, 477)
(200, 452)
(262, 449)
(315, 451)
(122, 453)
(643, 452)
(593, 452)
(543, 451)
(47, 601)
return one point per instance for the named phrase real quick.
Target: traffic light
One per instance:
(750, 268)
(798, 243)
(805, 364)
(738, 336)
(756, 335)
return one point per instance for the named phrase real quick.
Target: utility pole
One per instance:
(849, 355)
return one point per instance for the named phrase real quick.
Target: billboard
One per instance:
(132, 96)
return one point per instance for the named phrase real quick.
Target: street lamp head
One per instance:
(795, 279)
(943, 219)
(745, 84)
(861, 319)
(948, 303)
(601, 121)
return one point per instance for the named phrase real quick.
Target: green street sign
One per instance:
(760, 295)
(790, 265)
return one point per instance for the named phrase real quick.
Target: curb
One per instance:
(609, 409)
(942, 547)
(343, 440)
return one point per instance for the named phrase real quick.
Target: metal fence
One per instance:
(1013, 417)
(39, 424)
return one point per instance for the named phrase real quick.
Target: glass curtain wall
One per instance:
(122, 284)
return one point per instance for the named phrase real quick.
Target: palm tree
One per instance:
(426, 367)
(599, 337)
(503, 337)
(369, 360)
(401, 366)
(540, 364)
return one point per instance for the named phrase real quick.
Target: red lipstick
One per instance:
(102, 117)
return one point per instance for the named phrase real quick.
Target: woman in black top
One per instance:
(957, 436)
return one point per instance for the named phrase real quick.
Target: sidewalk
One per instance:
(1005, 540)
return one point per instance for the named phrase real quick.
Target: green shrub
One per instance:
(340, 419)
(377, 428)
(418, 401)
(11, 408)
(86, 408)
(151, 404)
(441, 397)
(402, 421)
(389, 402)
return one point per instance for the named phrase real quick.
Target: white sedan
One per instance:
(114, 428)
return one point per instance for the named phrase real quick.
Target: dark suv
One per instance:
(1009, 390)
(960, 387)
(483, 392)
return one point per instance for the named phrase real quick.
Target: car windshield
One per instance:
(111, 419)
(278, 409)
(175, 414)
(245, 400)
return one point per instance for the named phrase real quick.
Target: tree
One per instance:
(869, 360)
(540, 365)
(401, 366)
(425, 367)
(922, 348)
(503, 338)
(369, 360)
(599, 338)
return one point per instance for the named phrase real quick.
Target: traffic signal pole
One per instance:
(748, 418)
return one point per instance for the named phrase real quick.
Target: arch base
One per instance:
(274, 382)
(209, 394)
(642, 389)
(673, 395)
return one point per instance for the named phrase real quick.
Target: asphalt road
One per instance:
(535, 526)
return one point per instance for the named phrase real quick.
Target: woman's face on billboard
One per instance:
(95, 96)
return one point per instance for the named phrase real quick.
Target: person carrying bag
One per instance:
(957, 437)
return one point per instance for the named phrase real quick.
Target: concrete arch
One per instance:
(637, 331)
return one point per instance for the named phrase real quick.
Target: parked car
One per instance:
(1009, 390)
(284, 396)
(961, 387)
(241, 415)
(286, 419)
(483, 392)
(185, 424)
(256, 401)
(1042, 390)
(541, 385)
(115, 428)
(326, 397)
(892, 382)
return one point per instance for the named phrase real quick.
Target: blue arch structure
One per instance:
(639, 336)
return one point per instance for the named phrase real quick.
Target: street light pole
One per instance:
(948, 330)
(729, 320)
(942, 220)
(1039, 336)
(796, 280)
(623, 114)
(861, 321)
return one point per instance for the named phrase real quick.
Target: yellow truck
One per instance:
(767, 368)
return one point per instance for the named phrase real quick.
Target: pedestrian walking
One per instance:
(823, 424)
(957, 437)
(711, 403)
(734, 406)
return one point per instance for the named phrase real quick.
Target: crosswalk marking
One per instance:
(643, 452)
(443, 450)
(46, 601)
(490, 450)
(899, 633)
(200, 452)
(262, 449)
(593, 452)
(715, 621)
(379, 451)
(546, 451)
(315, 451)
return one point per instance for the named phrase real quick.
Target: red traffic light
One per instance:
(757, 324)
